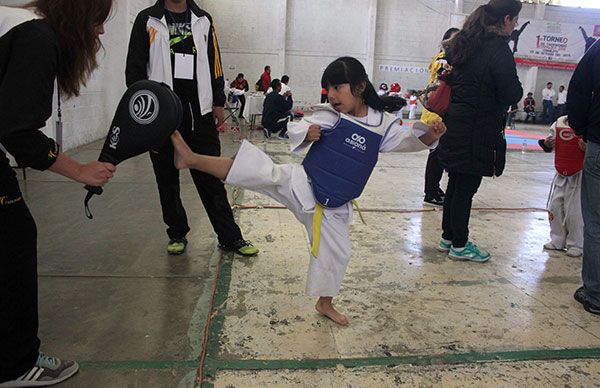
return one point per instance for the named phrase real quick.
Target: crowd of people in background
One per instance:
(554, 105)
(550, 111)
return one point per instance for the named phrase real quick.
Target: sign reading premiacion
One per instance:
(409, 69)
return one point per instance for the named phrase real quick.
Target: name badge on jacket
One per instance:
(184, 66)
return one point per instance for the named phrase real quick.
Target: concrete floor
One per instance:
(134, 316)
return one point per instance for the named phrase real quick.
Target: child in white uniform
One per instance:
(564, 210)
(352, 98)
(412, 105)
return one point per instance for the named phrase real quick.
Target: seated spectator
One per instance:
(529, 107)
(276, 111)
(238, 87)
(284, 86)
(383, 90)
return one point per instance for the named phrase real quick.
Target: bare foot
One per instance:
(325, 307)
(183, 153)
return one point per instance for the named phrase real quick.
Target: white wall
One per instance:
(251, 34)
(408, 37)
(317, 34)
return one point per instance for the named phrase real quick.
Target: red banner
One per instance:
(546, 64)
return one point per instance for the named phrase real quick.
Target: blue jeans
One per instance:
(548, 111)
(590, 206)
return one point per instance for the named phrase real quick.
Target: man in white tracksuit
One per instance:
(174, 42)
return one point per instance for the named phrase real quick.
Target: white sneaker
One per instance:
(574, 252)
(551, 247)
(45, 371)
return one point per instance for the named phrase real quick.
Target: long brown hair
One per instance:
(75, 22)
(486, 18)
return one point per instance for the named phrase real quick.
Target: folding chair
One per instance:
(233, 108)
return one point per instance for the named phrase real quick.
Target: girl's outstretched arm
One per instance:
(420, 137)
(186, 158)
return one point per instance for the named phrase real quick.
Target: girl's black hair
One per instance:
(486, 18)
(348, 70)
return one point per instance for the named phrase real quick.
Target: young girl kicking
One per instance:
(344, 139)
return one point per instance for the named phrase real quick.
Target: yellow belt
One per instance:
(317, 219)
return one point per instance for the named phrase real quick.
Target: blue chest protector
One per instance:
(341, 162)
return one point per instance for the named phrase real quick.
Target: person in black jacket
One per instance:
(276, 110)
(63, 46)
(484, 84)
(165, 41)
(583, 105)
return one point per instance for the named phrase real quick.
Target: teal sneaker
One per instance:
(469, 253)
(444, 245)
(241, 247)
(45, 371)
(177, 246)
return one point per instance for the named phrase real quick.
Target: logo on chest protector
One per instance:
(114, 138)
(357, 141)
(566, 134)
(143, 107)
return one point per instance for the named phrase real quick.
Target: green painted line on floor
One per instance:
(137, 364)
(439, 359)
(220, 300)
(217, 321)
(214, 364)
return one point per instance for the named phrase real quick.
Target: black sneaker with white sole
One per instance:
(582, 298)
(45, 371)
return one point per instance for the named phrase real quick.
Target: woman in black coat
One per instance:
(484, 83)
(62, 45)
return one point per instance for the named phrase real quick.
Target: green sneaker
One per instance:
(177, 246)
(241, 247)
(444, 245)
(470, 253)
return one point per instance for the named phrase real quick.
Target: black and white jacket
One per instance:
(149, 55)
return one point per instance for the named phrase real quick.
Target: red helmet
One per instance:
(395, 87)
